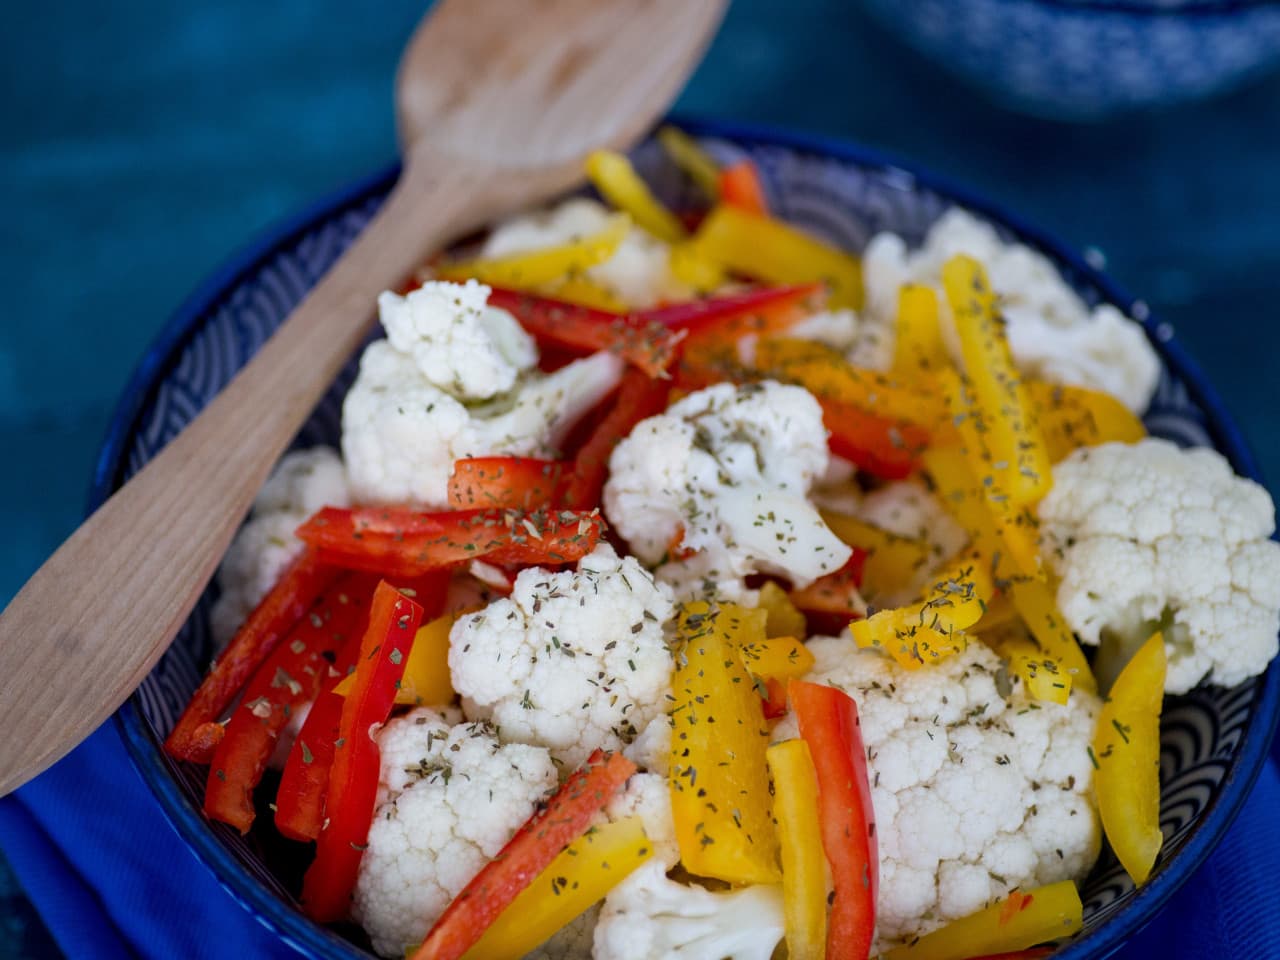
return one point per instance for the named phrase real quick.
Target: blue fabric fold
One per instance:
(113, 881)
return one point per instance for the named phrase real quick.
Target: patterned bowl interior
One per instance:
(834, 191)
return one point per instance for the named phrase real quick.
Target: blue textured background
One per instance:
(143, 142)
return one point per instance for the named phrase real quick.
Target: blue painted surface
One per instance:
(143, 142)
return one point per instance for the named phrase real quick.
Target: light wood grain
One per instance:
(497, 103)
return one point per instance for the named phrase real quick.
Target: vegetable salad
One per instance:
(686, 585)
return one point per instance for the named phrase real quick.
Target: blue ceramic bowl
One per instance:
(1083, 59)
(1213, 741)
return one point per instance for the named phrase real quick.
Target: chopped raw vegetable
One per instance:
(740, 187)
(692, 159)
(516, 483)
(612, 174)
(804, 865)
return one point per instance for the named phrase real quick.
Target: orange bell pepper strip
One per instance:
(197, 731)
(1019, 456)
(740, 187)
(563, 819)
(353, 779)
(837, 593)
(1126, 751)
(1021, 920)
(804, 865)
(642, 342)
(400, 541)
(768, 249)
(719, 779)
(286, 681)
(612, 174)
(1073, 417)
(541, 270)
(581, 875)
(918, 350)
(695, 162)
(829, 726)
(877, 445)
(515, 483)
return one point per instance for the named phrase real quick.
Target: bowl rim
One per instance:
(309, 938)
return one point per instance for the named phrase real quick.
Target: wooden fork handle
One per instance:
(94, 619)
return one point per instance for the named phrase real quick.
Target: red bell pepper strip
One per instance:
(353, 778)
(638, 398)
(740, 187)
(837, 593)
(829, 725)
(288, 679)
(401, 541)
(774, 698)
(878, 445)
(564, 818)
(644, 343)
(197, 731)
(518, 483)
(765, 310)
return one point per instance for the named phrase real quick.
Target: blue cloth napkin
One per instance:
(112, 880)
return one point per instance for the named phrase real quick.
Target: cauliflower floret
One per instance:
(302, 482)
(450, 796)
(1146, 535)
(975, 793)
(401, 433)
(1053, 334)
(649, 916)
(648, 796)
(726, 471)
(571, 661)
(638, 273)
(468, 349)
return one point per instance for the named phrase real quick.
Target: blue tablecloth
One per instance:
(143, 142)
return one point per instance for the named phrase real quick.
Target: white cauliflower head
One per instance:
(302, 482)
(1147, 535)
(463, 346)
(649, 916)
(450, 796)
(1053, 335)
(401, 433)
(571, 661)
(975, 792)
(726, 471)
(648, 796)
(639, 272)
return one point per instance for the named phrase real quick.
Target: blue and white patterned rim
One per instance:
(1213, 743)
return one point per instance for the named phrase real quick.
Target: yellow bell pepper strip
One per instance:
(776, 252)
(1000, 612)
(582, 291)
(1073, 417)
(804, 865)
(1042, 676)
(919, 349)
(695, 162)
(426, 673)
(740, 187)
(612, 174)
(1038, 607)
(694, 270)
(828, 720)
(582, 874)
(891, 561)
(1019, 921)
(565, 817)
(777, 657)
(783, 619)
(719, 780)
(931, 629)
(534, 271)
(1126, 751)
(1019, 454)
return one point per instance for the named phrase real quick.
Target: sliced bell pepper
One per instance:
(1073, 417)
(564, 818)
(918, 350)
(399, 541)
(1126, 750)
(580, 875)
(782, 617)
(695, 162)
(305, 778)
(516, 483)
(612, 174)
(828, 721)
(725, 319)
(1019, 921)
(719, 779)
(804, 865)
(776, 252)
(1043, 677)
(644, 343)
(536, 270)
(638, 398)
(1019, 456)
(286, 681)
(776, 657)
(1038, 607)
(353, 778)
(580, 290)
(197, 731)
(877, 445)
(773, 698)
(740, 187)
(426, 677)
(836, 593)
(890, 562)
